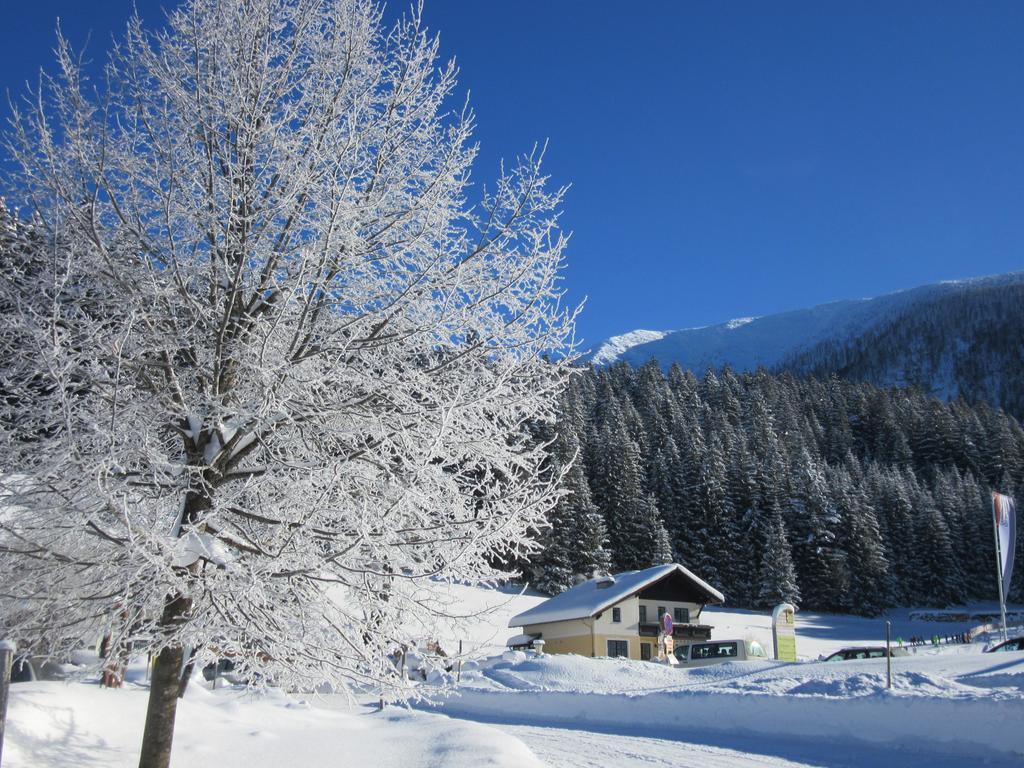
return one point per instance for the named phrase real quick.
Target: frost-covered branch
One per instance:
(267, 370)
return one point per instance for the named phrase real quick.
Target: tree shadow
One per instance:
(1014, 679)
(49, 735)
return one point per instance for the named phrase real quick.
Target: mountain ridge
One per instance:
(739, 342)
(904, 338)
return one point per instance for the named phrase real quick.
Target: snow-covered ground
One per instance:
(53, 725)
(944, 707)
(947, 706)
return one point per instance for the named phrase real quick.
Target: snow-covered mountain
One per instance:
(749, 342)
(927, 336)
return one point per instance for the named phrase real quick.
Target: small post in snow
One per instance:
(7, 649)
(888, 654)
(458, 673)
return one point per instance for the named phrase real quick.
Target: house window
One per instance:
(681, 615)
(618, 648)
(643, 614)
(645, 651)
(616, 615)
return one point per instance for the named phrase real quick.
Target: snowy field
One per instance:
(70, 725)
(944, 707)
(948, 706)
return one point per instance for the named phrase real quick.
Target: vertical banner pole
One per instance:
(999, 565)
(888, 654)
(7, 649)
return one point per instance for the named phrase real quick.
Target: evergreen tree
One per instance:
(573, 545)
(662, 550)
(870, 589)
(777, 581)
(631, 514)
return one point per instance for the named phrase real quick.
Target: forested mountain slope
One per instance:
(837, 495)
(967, 344)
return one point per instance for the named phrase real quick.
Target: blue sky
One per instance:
(727, 159)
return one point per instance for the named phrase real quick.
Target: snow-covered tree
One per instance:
(276, 366)
(575, 538)
(776, 576)
(631, 514)
(870, 584)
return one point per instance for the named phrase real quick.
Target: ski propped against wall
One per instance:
(1004, 518)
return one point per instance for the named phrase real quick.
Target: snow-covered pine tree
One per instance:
(893, 495)
(668, 486)
(870, 582)
(820, 567)
(977, 548)
(631, 514)
(716, 526)
(776, 576)
(287, 361)
(574, 540)
(936, 568)
(661, 551)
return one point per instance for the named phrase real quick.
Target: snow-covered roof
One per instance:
(586, 599)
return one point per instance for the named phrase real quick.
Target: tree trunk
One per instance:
(163, 706)
(165, 685)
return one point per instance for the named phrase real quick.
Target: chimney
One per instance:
(603, 582)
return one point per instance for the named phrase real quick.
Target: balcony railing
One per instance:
(679, 631)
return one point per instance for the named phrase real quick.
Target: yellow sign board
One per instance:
(786, 648)
(784, 632)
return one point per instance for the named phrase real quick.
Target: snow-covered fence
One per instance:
(994, 631)
(963, 617)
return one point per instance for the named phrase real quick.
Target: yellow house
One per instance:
(620, 615)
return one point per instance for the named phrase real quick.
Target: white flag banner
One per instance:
(1006, 528)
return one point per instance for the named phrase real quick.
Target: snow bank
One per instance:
(966, 704)
(53, 725)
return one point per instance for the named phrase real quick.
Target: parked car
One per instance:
(1013, 644)
(717, 651)
(225, 670)
(863, 652)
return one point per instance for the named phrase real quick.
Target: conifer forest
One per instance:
(835, 495)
